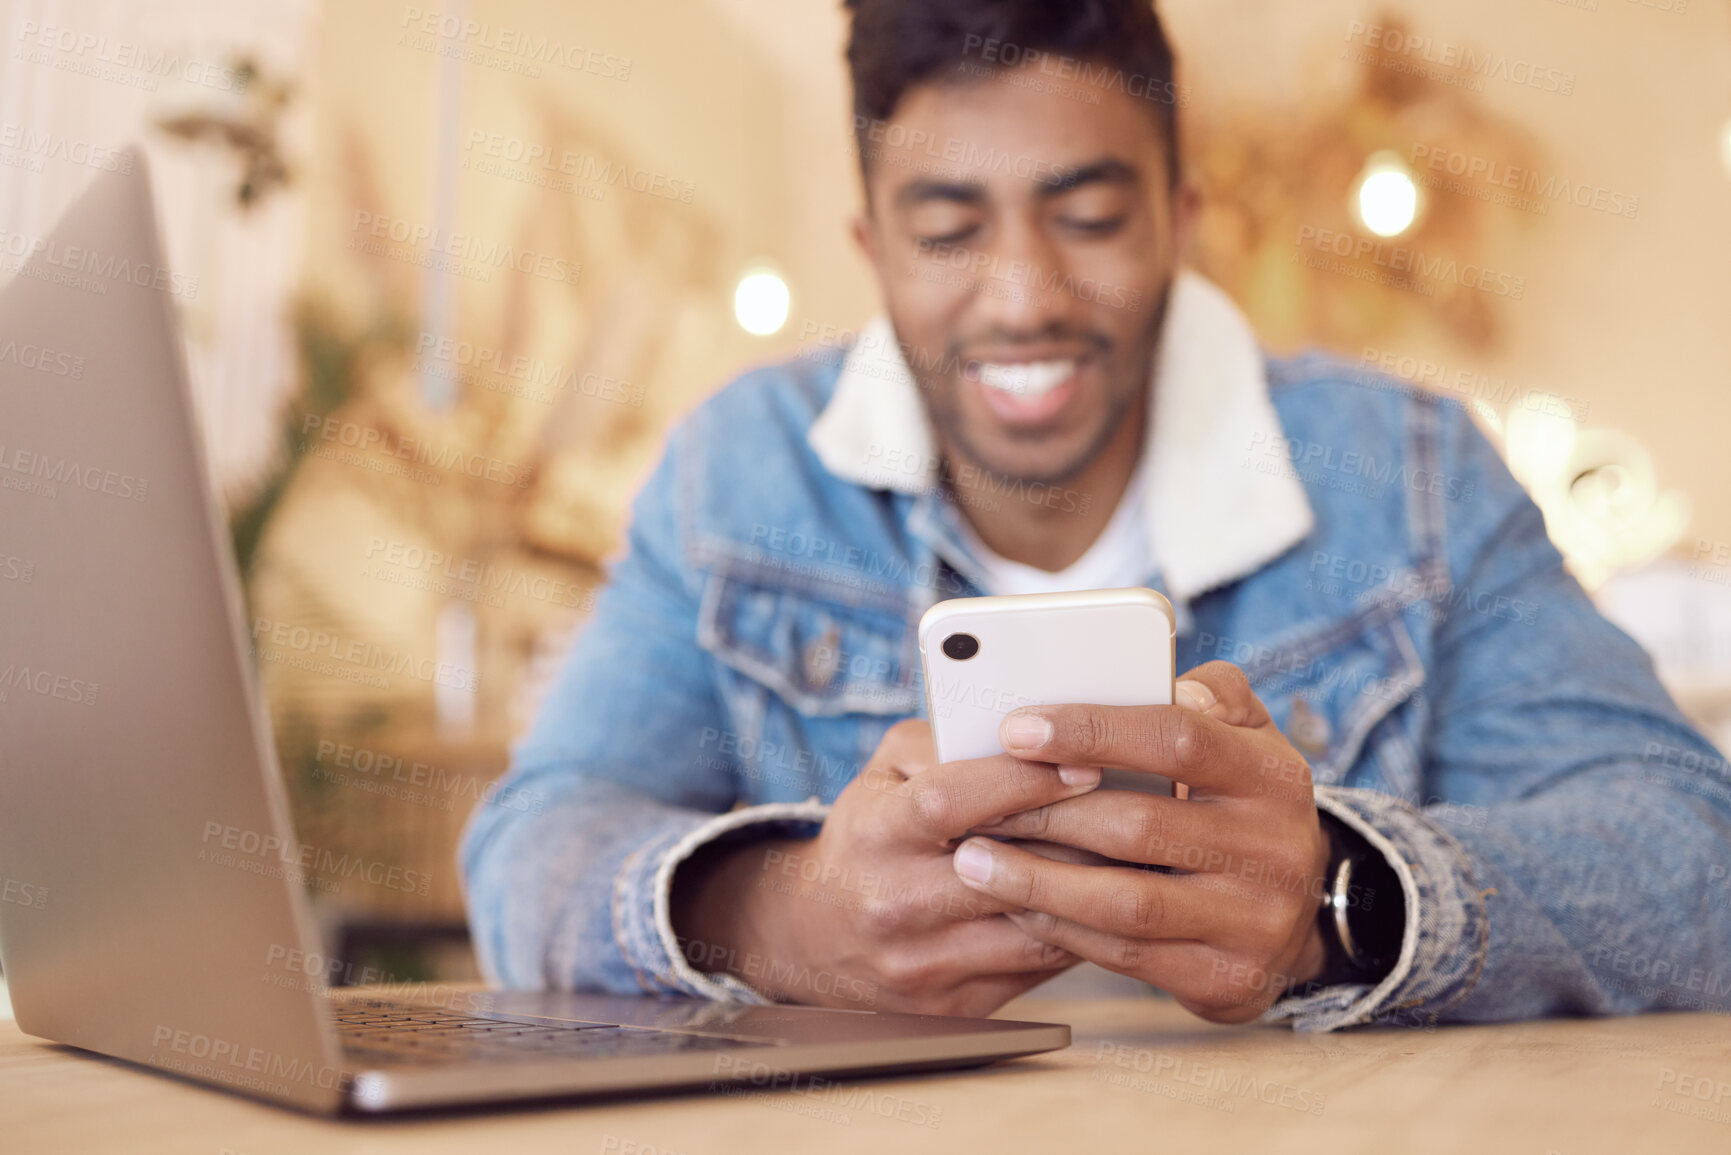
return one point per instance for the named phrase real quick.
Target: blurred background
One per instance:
(459, 265)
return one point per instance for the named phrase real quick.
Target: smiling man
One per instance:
(1427, 780)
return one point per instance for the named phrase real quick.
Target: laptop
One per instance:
(147, 908)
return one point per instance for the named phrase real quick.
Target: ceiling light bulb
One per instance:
(1387, 200)
(760, 302)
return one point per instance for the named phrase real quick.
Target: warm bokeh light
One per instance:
(1387, 201)
(760, 302)
(1599, 490)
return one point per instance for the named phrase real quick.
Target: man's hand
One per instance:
(871, 905)
(1230, 935)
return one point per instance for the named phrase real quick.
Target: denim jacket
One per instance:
(1560, 832)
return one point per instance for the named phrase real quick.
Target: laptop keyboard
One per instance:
(376, 1031)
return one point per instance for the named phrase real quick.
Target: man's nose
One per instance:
(1022, 286)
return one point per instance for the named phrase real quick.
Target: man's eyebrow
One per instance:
(920, 191)
(1107, 171)
(1099, 172)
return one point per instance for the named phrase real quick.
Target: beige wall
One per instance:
(1629, 315)
(700, 105)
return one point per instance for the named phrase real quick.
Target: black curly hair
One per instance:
(897, 44)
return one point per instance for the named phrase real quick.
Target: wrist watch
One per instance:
(1363, 909)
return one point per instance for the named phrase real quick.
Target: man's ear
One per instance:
(1186, 214)
(865, 235)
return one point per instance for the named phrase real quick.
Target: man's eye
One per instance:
(1093, 227)
(941, 223)
(953, 237)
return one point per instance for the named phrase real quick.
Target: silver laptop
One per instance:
(145, 910)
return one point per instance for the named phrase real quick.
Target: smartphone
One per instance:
(984, 657)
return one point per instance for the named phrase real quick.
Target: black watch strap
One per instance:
(1361, 891)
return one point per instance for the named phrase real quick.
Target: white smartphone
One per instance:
(984, 657)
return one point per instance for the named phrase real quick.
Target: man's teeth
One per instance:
(1027, 378)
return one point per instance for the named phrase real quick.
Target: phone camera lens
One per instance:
(961, 647)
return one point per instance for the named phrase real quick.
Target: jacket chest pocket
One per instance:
(1328, 692)
(823, 659)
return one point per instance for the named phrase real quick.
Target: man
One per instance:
(1396, 699)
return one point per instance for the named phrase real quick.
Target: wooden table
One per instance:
(1143, 1076)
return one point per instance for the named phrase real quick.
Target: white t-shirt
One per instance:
(1119, 557)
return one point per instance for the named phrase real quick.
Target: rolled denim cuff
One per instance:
(642, 897)
(1442, 951)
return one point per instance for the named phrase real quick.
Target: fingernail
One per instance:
(974, 862)
(1195, 696)
(1026, 732)
(1079, 775)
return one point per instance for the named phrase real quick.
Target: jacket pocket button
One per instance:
(1308, 730)
(822, 658)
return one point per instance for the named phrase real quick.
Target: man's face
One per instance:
(1025, 242)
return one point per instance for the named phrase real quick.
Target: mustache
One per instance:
(1001, 340)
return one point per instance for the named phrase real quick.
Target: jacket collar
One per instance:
(1213, 517)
